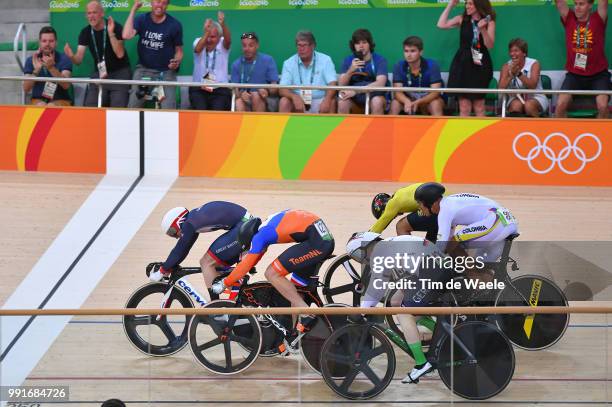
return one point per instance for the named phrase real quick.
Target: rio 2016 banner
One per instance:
(479, 151)
(193, 5)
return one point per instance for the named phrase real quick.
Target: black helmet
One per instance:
(247, 231)
(379, 203)
(428, 193)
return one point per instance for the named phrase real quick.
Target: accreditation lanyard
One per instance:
(409, 76)
(373, 68)
(314, 65)
(214, 61)
(243, 70)
(475, 35)
(93, 39)
(583, 37)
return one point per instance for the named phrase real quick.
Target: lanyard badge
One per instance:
(580, 61)
(101, 63)
(49, 90)
(476, 53)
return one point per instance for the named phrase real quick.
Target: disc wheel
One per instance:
(477, 361)
(535, 331)
(312, 343)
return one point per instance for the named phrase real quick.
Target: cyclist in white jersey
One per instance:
(480, 219)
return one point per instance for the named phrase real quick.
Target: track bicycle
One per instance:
(474, 359)
(343, 280)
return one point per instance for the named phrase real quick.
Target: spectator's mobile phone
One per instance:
(488, 18)
(359, 55)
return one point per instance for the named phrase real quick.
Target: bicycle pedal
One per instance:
(285, 349)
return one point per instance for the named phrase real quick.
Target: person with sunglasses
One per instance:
(210, 60)
(253, 67)
(310, 68)
(185, 225)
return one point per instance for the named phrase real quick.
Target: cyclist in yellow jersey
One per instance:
(385, 208)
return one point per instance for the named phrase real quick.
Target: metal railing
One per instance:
(21, 33)
(360, 89)
(488, 310)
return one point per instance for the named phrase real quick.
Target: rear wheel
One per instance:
(534, 331)
(157, 335)
(477, 362)
(312, 343)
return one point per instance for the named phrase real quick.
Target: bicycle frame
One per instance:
(180, 280)
(189, 289)
(279, 327)
(501, 267)
(442, 327)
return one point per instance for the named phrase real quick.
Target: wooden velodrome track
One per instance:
(94, 358)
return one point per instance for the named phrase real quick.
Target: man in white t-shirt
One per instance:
(210, 61)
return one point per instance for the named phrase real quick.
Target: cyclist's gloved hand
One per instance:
(218, 286)
(159, 273)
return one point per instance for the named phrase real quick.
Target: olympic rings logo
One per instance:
(561, 156)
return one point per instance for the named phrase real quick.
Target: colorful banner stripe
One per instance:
(52, 139)
(403, 149)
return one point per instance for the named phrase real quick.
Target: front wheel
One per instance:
(157, 335)
(225, 344)
(477, 362)
(534, 331)
(342, 282)
(366, 356)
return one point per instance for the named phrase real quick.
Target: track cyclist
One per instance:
(484, 223)
(360, 248)
(387, 207)
(314, 244)
(185, 225)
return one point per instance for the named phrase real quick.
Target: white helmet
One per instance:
(358, 244)
(171, 223)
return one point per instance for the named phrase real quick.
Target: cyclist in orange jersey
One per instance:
(314, 244)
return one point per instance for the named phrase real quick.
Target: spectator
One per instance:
(471, 66)
(416, 71)
(111, 61)
(210, 56)
(307, 67)
(160, 48)
(48, 63)
(586, 64)
(253, 67)
(363, 68)
(522, 72)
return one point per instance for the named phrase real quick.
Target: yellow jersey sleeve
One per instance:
(401, 202)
